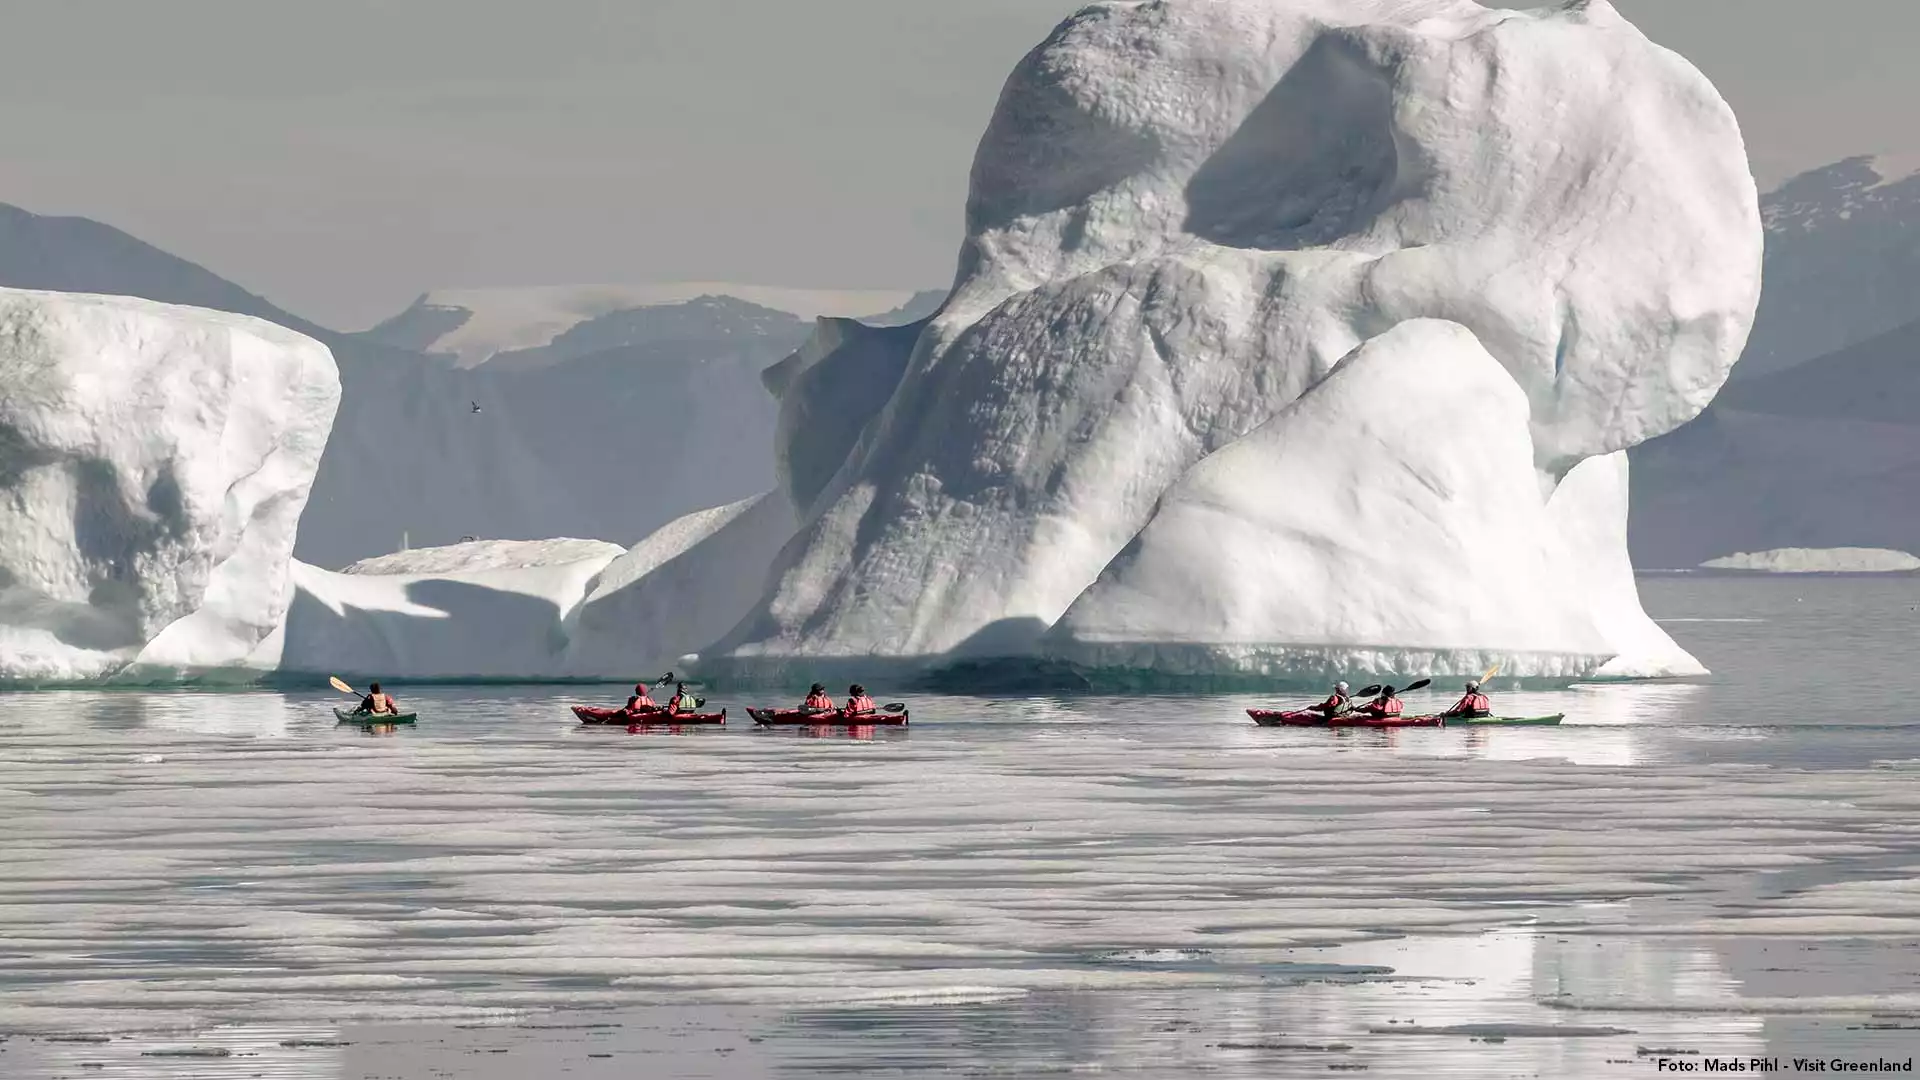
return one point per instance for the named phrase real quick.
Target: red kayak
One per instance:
(622, 718)
(1273, 718)
(834, 718)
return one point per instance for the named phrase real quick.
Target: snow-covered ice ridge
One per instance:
(154, 462)
(1818, 561)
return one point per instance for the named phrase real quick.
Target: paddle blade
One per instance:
(1421, 685)
(894, 707)
(1367, 691)
(341, 686)
(1491, 672)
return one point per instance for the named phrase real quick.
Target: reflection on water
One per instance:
(1447, 1006)
(242, 713)
(1151, 885)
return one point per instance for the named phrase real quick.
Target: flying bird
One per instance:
(476, 406)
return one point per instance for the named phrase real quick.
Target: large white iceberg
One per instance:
(154, 462)
(1183, 215)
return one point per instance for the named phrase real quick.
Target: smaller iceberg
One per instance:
(1843, 560)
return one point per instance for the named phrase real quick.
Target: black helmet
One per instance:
(856, 689)
(375, 688)
(1386, 691)
(680, 686)
(817, 688)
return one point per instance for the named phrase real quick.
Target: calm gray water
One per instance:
(1012, 887)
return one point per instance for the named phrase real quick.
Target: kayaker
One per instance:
(858, 703)
(682, 701)
(641, 701)
(377, 703)
(1474, 706)
(1384, 706)
(1339, 703)
(817, 698)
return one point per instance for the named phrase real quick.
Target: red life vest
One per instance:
(1389, 707)
(859, 705)
(642, 703)
(818, 701)
(1473, 703)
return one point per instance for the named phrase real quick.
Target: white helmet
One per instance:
(1341, 687)
(1471, 685)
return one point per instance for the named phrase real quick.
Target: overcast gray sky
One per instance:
(341, 156)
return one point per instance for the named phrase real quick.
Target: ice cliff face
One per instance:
(154, 462)
(1183, 215)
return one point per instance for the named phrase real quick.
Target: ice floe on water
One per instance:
(497, 859)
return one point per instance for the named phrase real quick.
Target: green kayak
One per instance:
(350, 716)
(1507, 721)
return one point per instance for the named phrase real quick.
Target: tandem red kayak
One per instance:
(1272, 718)
(621, 717)
(835, 718)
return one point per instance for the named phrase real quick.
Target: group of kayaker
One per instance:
(1474, 705)
(642, 701)
(683, 701)
(858, 703)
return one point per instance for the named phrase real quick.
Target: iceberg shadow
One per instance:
(451, 630)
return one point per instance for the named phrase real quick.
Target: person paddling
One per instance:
(1337, 705)
(1382, 707)
(858, 703)
(818, 699)
(378, 703)
(682, 700)
(1474, 706)
(641, 701)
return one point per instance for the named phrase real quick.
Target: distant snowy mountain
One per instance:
(75, 254)
(1824, 454)
(476, 325)
(1842, 264)
(1815, 440)
(606, 424)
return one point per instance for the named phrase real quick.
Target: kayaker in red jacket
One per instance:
(1336, 705)
(858, 703)
(817, 698)
(641, 701)
(1475, 704)
(1382, 707)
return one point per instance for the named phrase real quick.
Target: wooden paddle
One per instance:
(340, 685)
(1491, 672)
